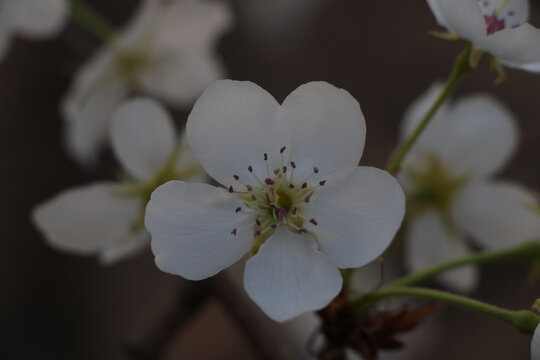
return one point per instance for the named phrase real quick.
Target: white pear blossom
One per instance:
(446, 177)
(293, 196)
(167, 51)
(498, 27)
(535, 344)
(106, 218)
(33, 19)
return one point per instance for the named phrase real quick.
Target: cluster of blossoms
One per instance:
(293, 202)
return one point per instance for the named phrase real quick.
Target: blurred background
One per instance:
(58, 306)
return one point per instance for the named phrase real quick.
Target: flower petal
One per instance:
(130, 245)
(429, 243)
(231, 127)
(535, 344)
(498, 214)
(327, 128)
(516, 47)
(142, 136)
(38, 18)
(86, 219)
(454, 138)
(192, 229)
(463, 17)
(513, 14)
(179, 78)
(288, 276)
(358, 212)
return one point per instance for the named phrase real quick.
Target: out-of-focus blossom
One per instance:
(446, 177)
(33, 19)
(106, 218)
(498, 27)
(168, 51)
(294, 197)
(535, 344)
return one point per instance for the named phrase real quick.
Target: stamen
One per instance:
(316, 170)
(293, 164)
(249, 187)
(304, 185)
(284, 169)
(233, 232)
(282, 214)
(307, 198)
(291, 186)
(294, 211)
(282, 149)
(265, 157)
(236, 177)
(313, 221)
(250, 168)
(322, 182)
(269, 181)
(238, 209)
(231, 189)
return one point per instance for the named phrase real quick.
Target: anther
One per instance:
(253, 197)
(316, 170)
(307, 199)
(250, 168)
(258, 232)
(268, 198)
(284, 169)
(293, 211)
(304, 185)
(238, 209)
(231, 189)
(276, 171)
(233, 232)
(236, 177)
(282, 150)
(269, 181)
(249, 187)
(265, 156)
(282, 214)
(293, 164)
(291, 186)
(273, 226)
(322, 182)
(313, 222)
(302, 230)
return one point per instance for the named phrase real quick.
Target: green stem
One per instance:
(524, 320)
(461, 67)
(92, 21)
(529, 251)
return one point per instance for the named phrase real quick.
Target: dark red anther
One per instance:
(293, 211)
(293, 164)
(322, 182)
(282, 149)
(265, 156)
(284, 169)
(238, 209)
(250, 168)
(233, 232)
(231, 189)
(316, 170)
(313, 222)
(304, 185)
(291, 186)
(307, 199)
(282, 214)
(236, 177)
(269, 181)
(494, 24)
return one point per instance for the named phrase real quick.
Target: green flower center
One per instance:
(128, 64)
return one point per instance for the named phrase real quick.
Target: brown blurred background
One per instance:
(58, 306)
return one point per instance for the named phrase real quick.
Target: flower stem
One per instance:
(461, 67)
(529, 251)
(525, 321)
(92, 21)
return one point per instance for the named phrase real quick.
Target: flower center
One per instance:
(502, 14)
(434, 188)
(277, 201)
(129, 63)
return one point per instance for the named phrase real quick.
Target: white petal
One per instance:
(429, 243)
(88, 106)
(498, 214)
(38, 18)
(535, 344)
(327, 128)
(142, 136)
(358, 212)
(518, 47)
(130, 245)
(514, 13)
(288, 277)
(465, 18)
(475, 137)
(231, 127)
(191, 227)
(85, 220)
(179, 78)
(435, 9)
(187, 161)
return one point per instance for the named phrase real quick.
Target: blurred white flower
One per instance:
(446, 177)
(498, 27)
(535, 344)
(294, 196)
(33, 19)
(106, 218)
(167, 51)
